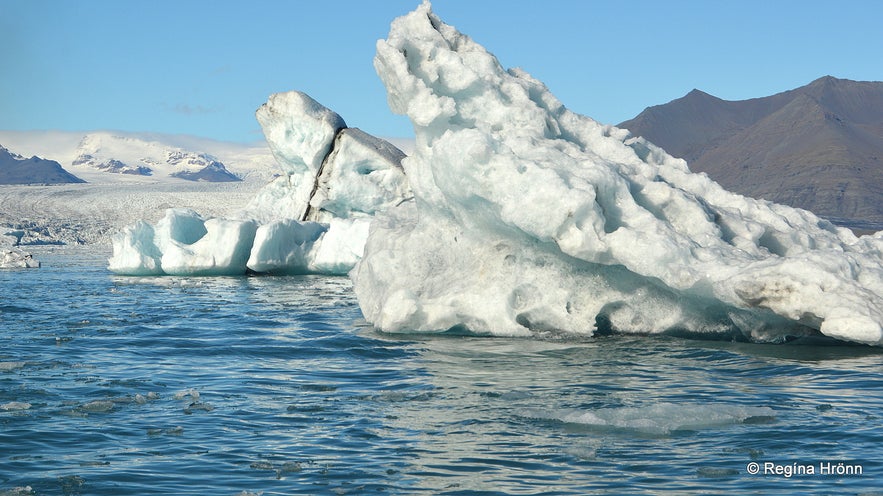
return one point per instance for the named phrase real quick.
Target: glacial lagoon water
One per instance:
(274, 385)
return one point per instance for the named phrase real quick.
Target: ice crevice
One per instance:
(319, 172)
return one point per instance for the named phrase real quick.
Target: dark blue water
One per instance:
(274, 385)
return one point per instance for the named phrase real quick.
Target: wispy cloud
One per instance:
(187, 109)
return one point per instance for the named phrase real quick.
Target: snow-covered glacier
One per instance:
(529, 218)
(313, 218)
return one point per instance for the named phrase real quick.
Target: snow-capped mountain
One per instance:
(89, 213)
(113, 153)
(105, 156)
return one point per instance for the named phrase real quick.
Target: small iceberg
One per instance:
(11, 257)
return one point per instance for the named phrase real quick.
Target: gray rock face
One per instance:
(15, 169)
(818, 147)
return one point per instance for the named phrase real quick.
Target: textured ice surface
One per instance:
(329, 171)
(300, 132)
(362, 176)
(294, 247)
(183, 243)
(528, 217)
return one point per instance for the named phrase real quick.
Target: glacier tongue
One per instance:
(528, 217)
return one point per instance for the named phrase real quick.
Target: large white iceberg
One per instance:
(529, 218)
(313, 218)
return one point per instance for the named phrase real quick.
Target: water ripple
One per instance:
(260, 385)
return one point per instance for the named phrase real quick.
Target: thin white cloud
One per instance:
(187, 109)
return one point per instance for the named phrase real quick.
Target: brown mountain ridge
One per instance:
(818, 147)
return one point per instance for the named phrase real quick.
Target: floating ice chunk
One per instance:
(528, 217)
(191, 393)
(183, 243)
(134, 251)
(10, 366)
(17, 259)
(198, 405)
(659, 418)
(15, 406)
(97, 406)
(223, 250)
(283, 247)
(312, 219)
(10, 256)
(292, 247)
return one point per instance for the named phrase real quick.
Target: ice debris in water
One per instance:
(15, 406)
(97, 406)
(313, 218)
(18, 491)
(10, 366)
(529, 217)
(11, 257)
(659, 419)
(191, 393)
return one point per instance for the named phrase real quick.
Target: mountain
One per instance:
(818, 147)
(135, 156)
(118, 156)
(15, 169)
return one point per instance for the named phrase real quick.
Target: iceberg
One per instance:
(313, 218)
(293, 247)
(10, 256)
(528, 218)
(330, 171)
(17, 259)
(183, 243)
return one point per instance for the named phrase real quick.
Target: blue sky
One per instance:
(202, 67)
